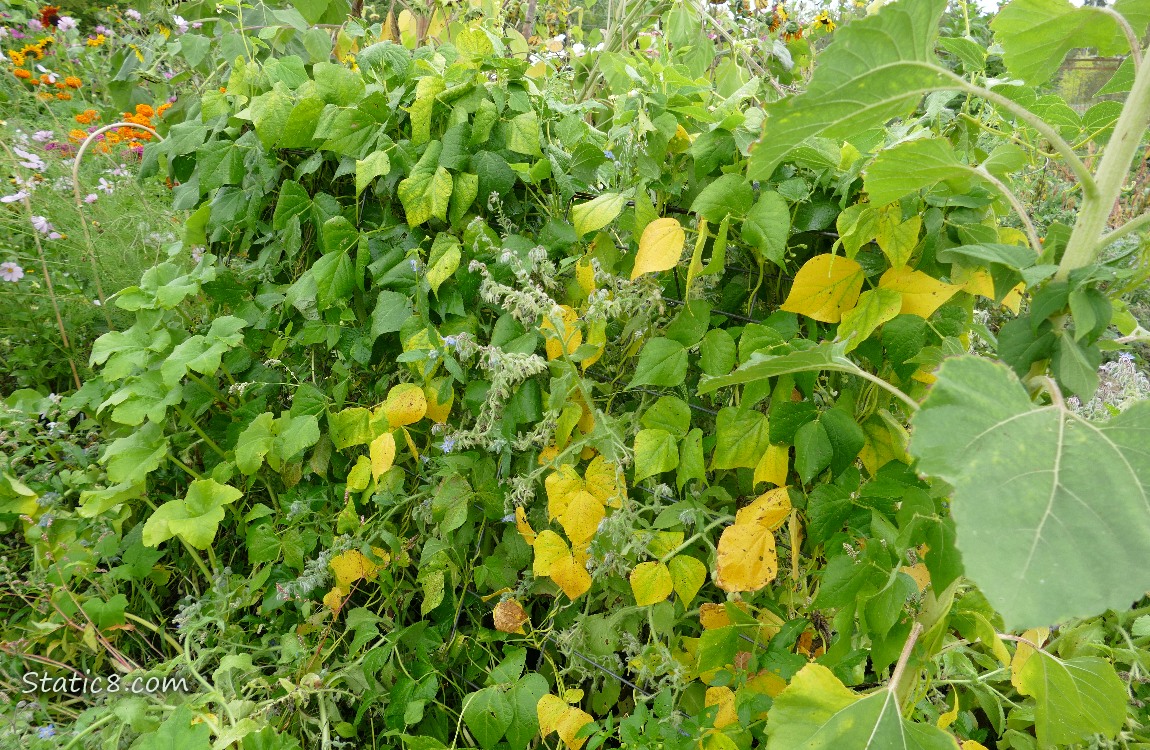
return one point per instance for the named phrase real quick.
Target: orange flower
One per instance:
(145, 110)
(49, 15)
(163, 108)
(112, 136)
(64, 96)
(21, 73)
(44, 96)
(75, 134)
(45, 79)
(73, 82)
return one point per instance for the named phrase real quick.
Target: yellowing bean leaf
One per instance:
(824, 287)
(405, 405)
(746, 558)
(580, 520)
(651, 583)
(659, 247)
(382, 454)
(769, 510)
(921, 294)
(687, 576)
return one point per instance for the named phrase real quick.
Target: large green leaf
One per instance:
(655, 452)
(818, 712)
(195, 519)
(1074, 699)
(1036, 35)
(761, 366)
(916, 165)
(1052, 511)
(876, 69)
(425, 194)
(662, 362)
(487, 714)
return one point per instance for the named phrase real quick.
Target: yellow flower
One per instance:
(96, 41)
(139, 54)
(16, 56)
(165, 31)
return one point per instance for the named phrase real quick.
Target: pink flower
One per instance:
(17, 196)
(132, 15)
(10, 271)
(35, 25)
(66, 23)
(43, 136)
(42, 225)
(30, 160)
(91, 198)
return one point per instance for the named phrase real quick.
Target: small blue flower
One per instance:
(46, 520)
(509, 518)
(450, 342)
(46, 732)
(755, 184)
(448, 444)
(433, 354)
(609, 154)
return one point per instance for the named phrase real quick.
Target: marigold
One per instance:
(163, 108)
(21, 73)
(112, 136)
(96, 41)
(73, 82)
(75, 134)
(63, 96)
(145, 110)
(45, 79)
(87, 117)
(44, 96)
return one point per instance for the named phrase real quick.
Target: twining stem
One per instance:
(1083, 245)
(904, 657)
(1016, 204)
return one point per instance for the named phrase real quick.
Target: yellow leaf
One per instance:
(585, 274)
(1012, 236)
(980, 282)
(549, 547)
(548, 454)
(410, 443)
(919, 573)
(604, 482)
(333, 599)
(921, 294)
(769, 510)
(352, 566)
(436, 411)
(824, 287)
(897, 239)
(886, 441)
(712, 616)
(549, 710)
(572, 336)
(664, 543)
(597, 336)
(946, 719)
(746, 558)
(688, 576)
(1037, 636)
(523, 527)
(767, 683)
(774, 465)
(405, 405)
(571, 575)
(572, 720)
(659, 247)
(509, 616)
(360, 475)
(581, 518)
(562, 485)
(724, 698)
(972, 745)
(680, 141)
(651, 583)
(382, 452)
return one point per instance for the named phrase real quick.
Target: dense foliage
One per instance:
(704, 380)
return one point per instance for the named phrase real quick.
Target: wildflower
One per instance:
(448, 444)
(3, 32)
(96, 41)
(48, 731)
(17, 196)
(181, 24)
(67, 23)
(132, 14)
(10, 271)
(21, 73)
(64, 96)
(91, 198)
(46, 521)
(197, 254)
(145, 110)
(823, 21)
(29, 160)
(35, 25)
(105, 186)
(73, 82)
(16, 56)
(41, 224)
(87, 117)
(75, 134)
(102, 29)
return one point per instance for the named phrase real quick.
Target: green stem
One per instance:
(1083, 246)
(203, 435)
(88, 729)
(1136, 224)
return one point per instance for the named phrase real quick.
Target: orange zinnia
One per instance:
(75, 134)
(145, 110)
(73, 82)
(64, 96)
(21, 73)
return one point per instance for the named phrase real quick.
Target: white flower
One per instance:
(18, 196)
(105, 186)
(43, 136)
(66, 23)
(578, 49)
(133, 15)
(3, 32)
(30, 160)
(182, 25)
(41, 224)
(10, 271)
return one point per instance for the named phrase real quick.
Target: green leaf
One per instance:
(969, 52)
(741, 438)
(1036, 36)
(760, 366)
(1074, 699)
(1027, 482)
(688, 575)
(350, 427)
(524, 697)
(254, 443)
(912, 166)
(337, 84)
(874, 308)
(691, 462)
(488, 714)
(857, 225)
(178, 733)
(817, 712)
(717, 353)
(662, 362)
(597, 213)
(425, 194)
(444, 259)
(876, 69)
(729, 194)
(293, 201)
(523, 134)
(130, 459)
(334, 276)
(376, 164)
(392, 309)
(668, 413)
(463, 194)
(195, 519)
(813, 451)
(768, 226)
(655, 452)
